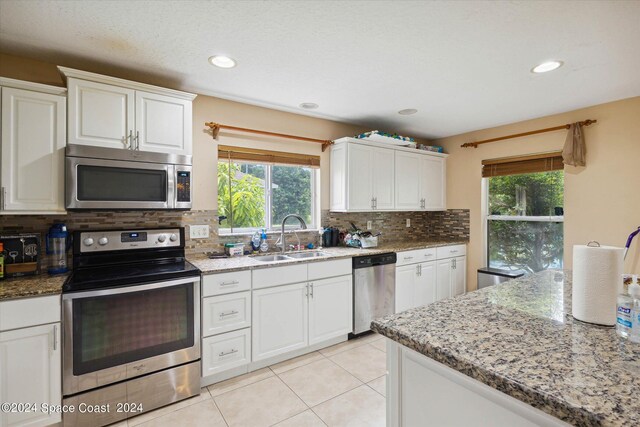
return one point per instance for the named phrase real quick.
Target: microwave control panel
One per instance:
(183, 186)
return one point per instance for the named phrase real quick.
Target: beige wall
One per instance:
(602, 200)
(205, 109)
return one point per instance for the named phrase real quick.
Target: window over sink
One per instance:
(253, 195)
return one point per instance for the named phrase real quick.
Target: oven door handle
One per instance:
(129, 289)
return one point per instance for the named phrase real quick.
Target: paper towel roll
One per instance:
(597, 271)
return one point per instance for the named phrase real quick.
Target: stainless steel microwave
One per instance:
(108, 178)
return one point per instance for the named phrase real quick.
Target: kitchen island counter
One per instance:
(519, 338)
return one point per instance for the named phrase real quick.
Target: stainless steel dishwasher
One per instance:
(374, 285)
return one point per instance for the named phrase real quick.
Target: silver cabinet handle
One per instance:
(306, 292)
(229, 313)
(137, 140)
(375, 203)
(311, 290)
(372, 203)
(453, 251)
(408, 258)
(3, 195)
(428, 255)
(55, 337)
(233, 282)
(223, 353)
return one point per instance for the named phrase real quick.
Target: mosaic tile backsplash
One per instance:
(447, 225)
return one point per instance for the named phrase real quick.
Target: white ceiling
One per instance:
(463, 65)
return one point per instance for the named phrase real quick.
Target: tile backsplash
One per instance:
(452, 224)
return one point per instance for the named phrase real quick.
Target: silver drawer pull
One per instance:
(428, 255)
(453, 252)
(230, 313)
(222, 353)
(233, 282)
(408, 257)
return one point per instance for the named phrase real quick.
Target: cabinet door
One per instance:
(330, 308)
(163, 124)
(406, 277)
(100, 115)
(443, 282)
(359, 168)
(338, 177)
(280, 320)
(30, 373)
(425, 288)
(407, 181)
(459, 280)
(33, 141)
(432, 182)
(382, 169)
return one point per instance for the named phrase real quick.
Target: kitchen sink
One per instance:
(271, 258)
(300, 255)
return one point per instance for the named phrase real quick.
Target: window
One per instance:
(254, 195)
(524, 219)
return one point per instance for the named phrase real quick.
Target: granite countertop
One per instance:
(519, 337)
(31, 286)
(223, 265)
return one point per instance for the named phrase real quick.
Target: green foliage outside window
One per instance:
(521, 244)
(245, 195)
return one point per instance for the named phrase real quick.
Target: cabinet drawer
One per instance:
(416, 256)
(22, 313)
(226, 313)
(452, 251)
(226, 351)
(226, 283)
(274, 276)
(337, 267)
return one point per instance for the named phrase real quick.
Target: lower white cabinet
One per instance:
(451, 277)
(280, 320)
(226, 313)
(415, 285)
(30, 372)
(226, 351)
(330, 308)
(291, 317)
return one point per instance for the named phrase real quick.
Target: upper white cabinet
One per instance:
(367, 176)
(114, 113)
(33, 142)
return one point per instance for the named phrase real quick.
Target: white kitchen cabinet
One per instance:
(280, 320)
(366, 172)
(163, 123)
(226, 351)
(368, 176)
(330, 308)
(415, 285)
(100, 115)
(433, 183)
(33, 141)
(30, 372)
(226, 313)
(109, 112)
(451, 277)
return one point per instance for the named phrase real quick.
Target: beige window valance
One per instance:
(266, 156)
(542, 162)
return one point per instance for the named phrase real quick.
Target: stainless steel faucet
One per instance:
(282, 238)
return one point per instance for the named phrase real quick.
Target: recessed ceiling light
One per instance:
(408, 111)
(546, 67)
(222, 61)
(309, 105)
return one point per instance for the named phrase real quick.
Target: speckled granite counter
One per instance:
(519, 337)
(209, 266)
(31, 286)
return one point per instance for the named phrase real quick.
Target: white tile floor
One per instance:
(342, 385)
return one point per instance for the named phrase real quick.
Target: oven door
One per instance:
(119, 184)
(112, 335)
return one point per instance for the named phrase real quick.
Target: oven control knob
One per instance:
(162, 238)
(88, 241)
(173, 237)
(103, 241)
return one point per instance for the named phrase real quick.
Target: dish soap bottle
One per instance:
(634, 293)
(623, 308)
(264, 246)
(256, 239)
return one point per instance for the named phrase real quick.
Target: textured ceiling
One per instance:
(463, 65)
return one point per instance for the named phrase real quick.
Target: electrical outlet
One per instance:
(369, 225)
(408, 222)
(198, 231)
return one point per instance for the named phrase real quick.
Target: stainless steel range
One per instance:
(131, 319)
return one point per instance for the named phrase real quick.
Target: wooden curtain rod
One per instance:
(215, 127)
(518, 135)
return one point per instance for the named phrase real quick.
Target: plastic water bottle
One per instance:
(634, 293)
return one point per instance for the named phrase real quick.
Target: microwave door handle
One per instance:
(172, 197)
